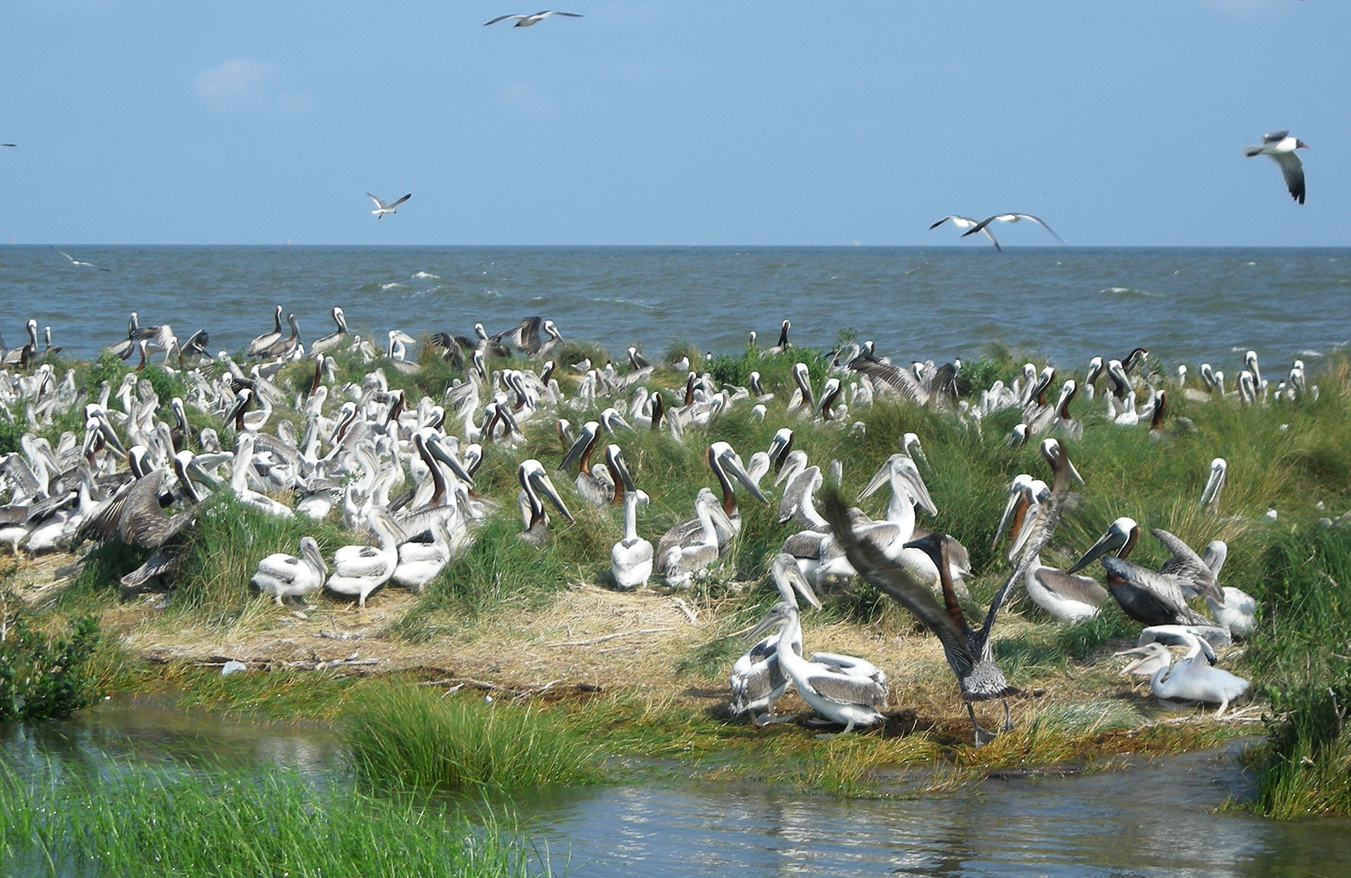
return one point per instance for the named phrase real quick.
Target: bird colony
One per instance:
(400, 475)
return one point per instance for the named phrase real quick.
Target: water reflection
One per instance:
(1156, 818)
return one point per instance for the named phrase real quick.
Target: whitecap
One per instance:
(1310, 352)
(390, 286)
(424, 275)
(1131, 292)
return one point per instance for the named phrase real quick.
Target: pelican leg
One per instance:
(768, 719)
(983, 736)
(1008, 720)
(1223, 706)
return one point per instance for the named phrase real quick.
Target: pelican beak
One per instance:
(584, 440)
(773, 619)
(439, 452)
(732, 463)
(1111, 541)
(919, 492)
(1151, 661)
(880, 478)
(546, 487)
(622, 469)
(779, 447)
(1017, 499)
(801, 585)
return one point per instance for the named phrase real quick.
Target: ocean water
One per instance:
(1188, 305)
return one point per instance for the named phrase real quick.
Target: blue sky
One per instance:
(1119, 123)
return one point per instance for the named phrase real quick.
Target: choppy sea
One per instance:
(1184, 304)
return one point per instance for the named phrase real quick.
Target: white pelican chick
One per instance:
(360, 570)
(631, 557)
(1192, 679)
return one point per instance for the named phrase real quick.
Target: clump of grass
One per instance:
(411, 737)
(230, 823)
(1296, 656)
(43, 675)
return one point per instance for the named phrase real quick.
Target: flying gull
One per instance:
(527, 20)
(78, 264)
(1009, 218)
(381, 208)
(966, 222)
(1281, 147)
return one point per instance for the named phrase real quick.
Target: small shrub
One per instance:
(43, 676)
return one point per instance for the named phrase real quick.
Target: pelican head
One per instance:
(725, 461)
(1055, 455)
(1210, 496)
(1119, 538)
(788, 578)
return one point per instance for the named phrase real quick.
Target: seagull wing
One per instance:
(961, 222)
(1276, 137)
(568, 14)
(1037, 220)
(396, 202)
(1292, 169)
(495, 21)
(378, 203)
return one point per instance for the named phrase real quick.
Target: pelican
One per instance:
(1237, 611)
(1281, 147)
(1149, 597)
(382, 208)
(679, 561)
(360, 570)
(968, 651)
(837, 694)
(333, 339)
(523, 20)
(534, 482)
(283, 576)
(966, 222)
(631, 557)
(1210, 495)
(757, 679)
(726, 465)
(258, 347)
(420, 561)
(1192, 679)
(1009, 218)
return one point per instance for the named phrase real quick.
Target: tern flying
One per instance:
(966, 222)
(527, 20)
(1009, 218)
(381, 208)
(1281, 147)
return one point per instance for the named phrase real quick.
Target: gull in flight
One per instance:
(527, 20)
(78, 264)
(381, 208)
(1281, 147)
(8, 144)
(966, 222)
(1009, 218)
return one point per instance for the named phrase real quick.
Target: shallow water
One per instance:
(1155, 818)
(1184, 304)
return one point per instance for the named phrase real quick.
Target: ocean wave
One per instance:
(391, 286)
(426, 275)
(1129, 292)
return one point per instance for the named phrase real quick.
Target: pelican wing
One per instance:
(1071, 587)
(1187, 566)
(1158, 594)
(893, 376)
(885, 575)
(164, 562)
(843, 689)
(142, 522)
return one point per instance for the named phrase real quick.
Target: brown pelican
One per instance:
(1210, 495)
(1192, 679)
(831, 688)
(1066, 597)
(526, 20)
(1149, 597)
(679, 561)
(258, 347)
(534, 482)
(937, 390)
(757, 679)
(782, 344)
(24, 355)
(360, 570)
(726, 465)
(1281, 147)
(384, 207)
(283, 576)
(333, 339)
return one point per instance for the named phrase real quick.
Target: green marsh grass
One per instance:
(406, 736)
(133, 821)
